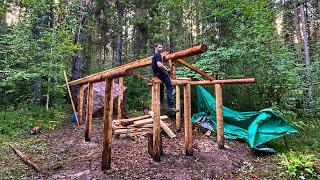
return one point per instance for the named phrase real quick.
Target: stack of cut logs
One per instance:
(139, 126)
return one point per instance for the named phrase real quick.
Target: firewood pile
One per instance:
(139, 126)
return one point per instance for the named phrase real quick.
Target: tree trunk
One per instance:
(315, 25)
(118, 61)
(79, 57)
(297, 33)
(3, 24)
(37, 91)
(307, 52)
(288, 24)
(118, 43)
(36, 82)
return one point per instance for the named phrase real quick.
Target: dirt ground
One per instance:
(63, 154)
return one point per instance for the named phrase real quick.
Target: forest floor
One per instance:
(63, 154)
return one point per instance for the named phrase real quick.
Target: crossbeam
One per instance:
(126, 68)
(226, 81)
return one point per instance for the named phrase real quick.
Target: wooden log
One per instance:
(171, 66)
(143, 126)
(70, 96)
(187, 120)
(219, 116)
(134, 134)
(88, 130)
(208, 133)
(163, 125)
(156, 121)
(148, 121)
(114, 127)
(25, 158)
(183, 78)
(126, 122)
(107, 122)
(150, 144)
(226, 81)
(87, 106)
(170, 63)
(120, 98)
(176, 82)
(187, 52)
(167, 129)
(124, 69)
(173, 71)
(191, 67)
(141, 76)
(178, 106)
(80, 104)
(131, 130)
(116, 122)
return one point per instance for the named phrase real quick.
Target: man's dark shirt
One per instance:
(156, 57)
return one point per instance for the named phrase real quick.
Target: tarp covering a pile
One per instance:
(256, 128)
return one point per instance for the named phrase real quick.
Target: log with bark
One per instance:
(25, 158)
(137, 125)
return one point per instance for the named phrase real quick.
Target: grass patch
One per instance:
(15, 126)
(18, 122)
(305, 141)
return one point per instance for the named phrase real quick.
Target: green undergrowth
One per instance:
(15, 123)
(305, 141)
(299, 154)
(15, 127)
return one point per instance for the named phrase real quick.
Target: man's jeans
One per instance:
(164, 77)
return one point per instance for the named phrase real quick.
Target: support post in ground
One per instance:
(187, 120)
(88, 130)
(219, 116)
(107, 125)
(178, 106)
(156, 118)
(120, 98)
(80, 104)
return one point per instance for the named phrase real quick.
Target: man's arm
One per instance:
(163, 67)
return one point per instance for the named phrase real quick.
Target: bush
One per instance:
(298, 164)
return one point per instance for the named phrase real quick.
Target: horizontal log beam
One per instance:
(226, 81)
(187, 52)
(127, 68)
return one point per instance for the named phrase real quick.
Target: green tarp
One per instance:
(256, 128)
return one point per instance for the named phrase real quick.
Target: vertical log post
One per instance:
(88, 130)
(80, 105)
(156, 119)
(187, 120)
(178, 114)
(170, 63)
(120, 98)
(107, 125)
(219, 115)
(173, 71)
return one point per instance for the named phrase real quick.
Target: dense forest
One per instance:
(276, 42)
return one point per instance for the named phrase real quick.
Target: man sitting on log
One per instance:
(161, 71)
